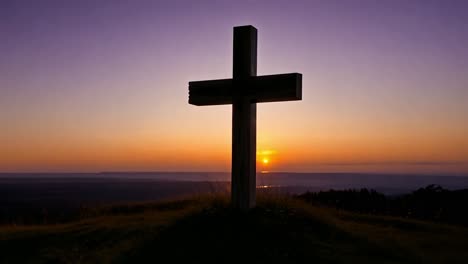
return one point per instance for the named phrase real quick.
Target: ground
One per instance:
(206, 230)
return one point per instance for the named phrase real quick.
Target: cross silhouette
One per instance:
(243, 91)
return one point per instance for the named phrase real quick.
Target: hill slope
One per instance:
(206, 230)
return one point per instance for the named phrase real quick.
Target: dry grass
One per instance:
(205, 229)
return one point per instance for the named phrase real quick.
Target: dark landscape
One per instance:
(280, 229)
(124, 220)
(45, 198)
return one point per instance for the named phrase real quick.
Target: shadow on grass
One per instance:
(206, 230)
(274, 232)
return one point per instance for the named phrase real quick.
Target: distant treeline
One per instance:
(432, 203)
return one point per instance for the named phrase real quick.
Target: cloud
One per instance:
(407, 163)
(266, 152)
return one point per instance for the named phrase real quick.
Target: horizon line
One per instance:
(228, 172)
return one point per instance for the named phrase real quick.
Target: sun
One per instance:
(265, 161)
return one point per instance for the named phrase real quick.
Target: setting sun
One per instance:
(265, 160)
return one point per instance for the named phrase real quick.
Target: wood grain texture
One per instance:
(259, 89)
(244, 120)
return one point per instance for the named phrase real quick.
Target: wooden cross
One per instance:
(243, 91)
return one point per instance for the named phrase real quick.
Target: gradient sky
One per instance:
(103, 85)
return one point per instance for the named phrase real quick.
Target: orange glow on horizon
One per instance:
(181, 153)
(264, 158)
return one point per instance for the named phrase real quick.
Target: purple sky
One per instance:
(102, 85)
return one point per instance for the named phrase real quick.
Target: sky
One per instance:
(90, 86)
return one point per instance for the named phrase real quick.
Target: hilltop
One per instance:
(206, 230)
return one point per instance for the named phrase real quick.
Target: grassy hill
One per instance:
(206, 230)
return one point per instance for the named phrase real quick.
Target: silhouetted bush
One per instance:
(430, 203)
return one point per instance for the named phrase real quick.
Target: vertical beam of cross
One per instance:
(244, 116)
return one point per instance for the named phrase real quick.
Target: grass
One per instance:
(206, 230)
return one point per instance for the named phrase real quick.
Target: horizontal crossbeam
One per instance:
(258, 89)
